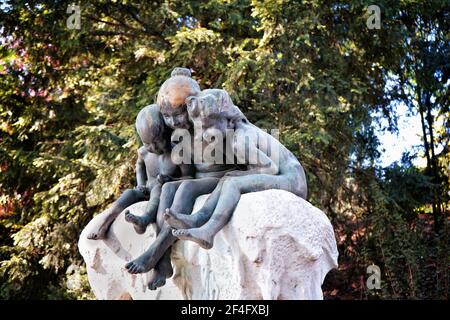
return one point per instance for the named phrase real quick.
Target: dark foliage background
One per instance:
(68, 100)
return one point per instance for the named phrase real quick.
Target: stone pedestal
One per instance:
(276, 246)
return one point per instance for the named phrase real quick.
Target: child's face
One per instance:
(176, 118)
(171, 100)
(207, 123)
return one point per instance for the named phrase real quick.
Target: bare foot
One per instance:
(142, 264)
(99, 235)
(195, 235)
(158, 280)
(139, 223)
(178, 220)
(163, 270)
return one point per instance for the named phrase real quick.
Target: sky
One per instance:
(409, 136)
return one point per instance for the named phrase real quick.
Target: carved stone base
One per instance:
(276, 246)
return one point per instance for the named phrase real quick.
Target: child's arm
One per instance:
(151, 208)
(187, 172)
(141, 173)
(251, 155)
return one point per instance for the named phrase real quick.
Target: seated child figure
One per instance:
(153, 167)
(214, 110)
(179, 196)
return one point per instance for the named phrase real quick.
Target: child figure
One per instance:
(153, 167)
(179, 196)
(214, 110)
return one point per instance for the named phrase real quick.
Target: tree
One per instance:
(68, 99)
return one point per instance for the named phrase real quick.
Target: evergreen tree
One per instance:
(313, 69)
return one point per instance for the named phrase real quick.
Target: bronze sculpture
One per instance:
(172, 188)
(287, 174)
(153, 162)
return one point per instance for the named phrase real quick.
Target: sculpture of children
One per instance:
(153, 165)
(178, 195)
(217, 112)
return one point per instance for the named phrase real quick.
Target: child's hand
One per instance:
(163, 178)
(142, 188)
(235, 173)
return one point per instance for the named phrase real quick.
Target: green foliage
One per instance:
(68, 100)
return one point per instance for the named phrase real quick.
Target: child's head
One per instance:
(172, 96)
(213, 109)
(152, 130)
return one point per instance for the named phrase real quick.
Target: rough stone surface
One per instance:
(276, 246)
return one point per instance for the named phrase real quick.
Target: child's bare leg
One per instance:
(184, 202)
(141, 222)
(164, 240)
(200, 217)
(204, 235)
(184, 199)
(232, 189)
(168, 191)
(127, 198)
(163, 270)
(148, 260)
